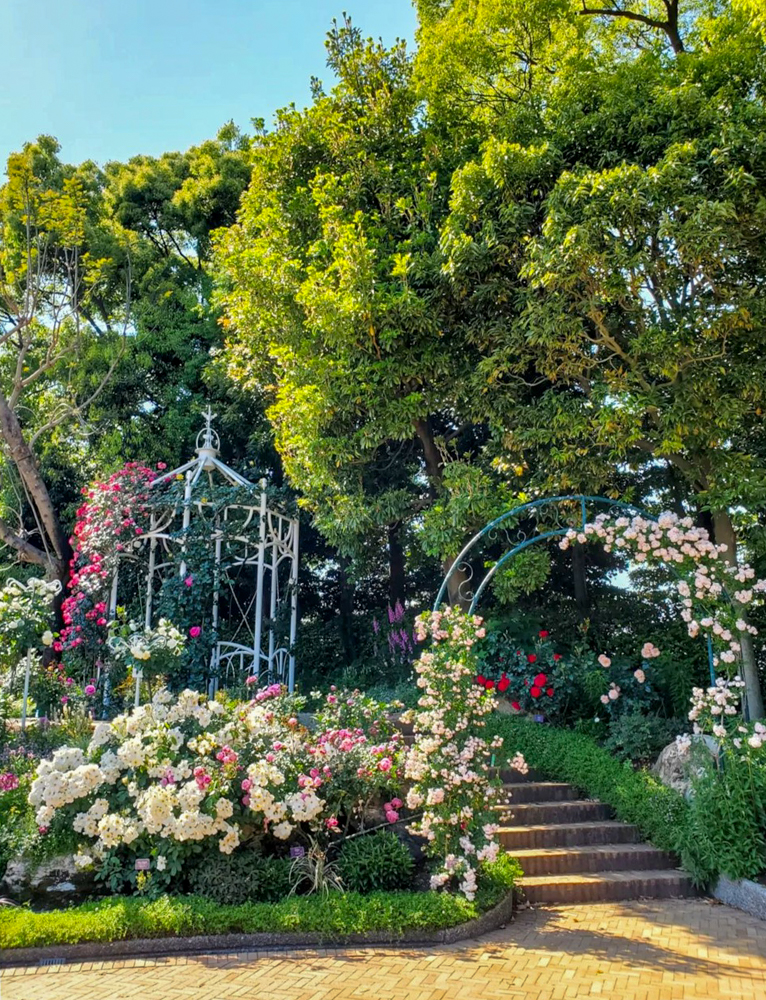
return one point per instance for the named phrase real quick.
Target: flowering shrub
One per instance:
(25, 614)
(115, 512)
(180, 772)
(449, 764)
(705, 580)
(729, 802)
(532, 682)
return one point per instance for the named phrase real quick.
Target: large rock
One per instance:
(678, 763)
(56, 879)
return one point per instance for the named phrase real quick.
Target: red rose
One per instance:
(515, 706)
(540, 681)
(489, 685)
(543, 634)
(503, 683)
(535, 692)
(549, 692)
(556, 657)
(531, 658)
(481, 680)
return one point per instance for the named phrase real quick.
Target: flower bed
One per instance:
(329, 918)
(178, 776)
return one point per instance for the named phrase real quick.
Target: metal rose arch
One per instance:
(526, 525)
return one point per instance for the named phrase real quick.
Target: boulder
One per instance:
(57, 878)
(676, 763)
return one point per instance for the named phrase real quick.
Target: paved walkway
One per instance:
(652, 950)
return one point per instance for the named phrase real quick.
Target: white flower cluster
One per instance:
(142, 644)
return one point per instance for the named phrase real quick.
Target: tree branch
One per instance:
(669, 27)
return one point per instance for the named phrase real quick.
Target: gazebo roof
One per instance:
(207, 460)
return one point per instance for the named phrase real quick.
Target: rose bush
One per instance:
(450, 764)
(182, 773)
(728, 805)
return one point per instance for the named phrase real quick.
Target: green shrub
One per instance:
(496, 879)
(639, 737)
(377, 861)
(728, 814)
(240, 878)
(336, 914)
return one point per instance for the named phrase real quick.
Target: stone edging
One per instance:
(743, 894)
(492, 920)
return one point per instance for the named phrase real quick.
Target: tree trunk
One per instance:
(346, 610)
(55, 558)
(579, 567)
(396, 569)
(435, 472)
(726, 535)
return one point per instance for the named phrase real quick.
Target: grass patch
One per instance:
(335, 915)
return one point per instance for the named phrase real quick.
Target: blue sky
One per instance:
(112, 78)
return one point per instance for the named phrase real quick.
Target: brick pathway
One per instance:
(650, 950)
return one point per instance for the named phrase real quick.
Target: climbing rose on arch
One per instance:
(705, 578)
(449, 764)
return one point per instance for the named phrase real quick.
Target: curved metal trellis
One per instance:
(569, 512)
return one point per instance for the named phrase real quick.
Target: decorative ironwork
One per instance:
(255, 550)
(551, 517)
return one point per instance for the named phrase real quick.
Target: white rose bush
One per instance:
(185, 772)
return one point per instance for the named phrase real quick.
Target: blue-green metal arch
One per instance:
(581, 499)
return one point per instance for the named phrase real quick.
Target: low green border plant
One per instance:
(336, 914)
(660, 813)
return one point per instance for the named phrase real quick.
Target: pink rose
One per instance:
(195, 631)
(189, 580)
(90, 690)
(392, 816)
(385, 764)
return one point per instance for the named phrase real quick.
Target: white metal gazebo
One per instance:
(243, 537)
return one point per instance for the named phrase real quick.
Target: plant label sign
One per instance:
(143, 864)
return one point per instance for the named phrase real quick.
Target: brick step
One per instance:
(541, 791)
(592, 858)
(516, 838)
(543, 813)
(597, 887)
(510, 776)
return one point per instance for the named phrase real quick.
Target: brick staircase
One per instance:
(572, 851)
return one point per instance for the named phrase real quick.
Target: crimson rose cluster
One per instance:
(517, 674)
(116, 511)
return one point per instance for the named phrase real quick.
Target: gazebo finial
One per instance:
(210, 442)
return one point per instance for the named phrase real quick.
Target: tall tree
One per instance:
(64, 284)
(615, 260)
(334, 299)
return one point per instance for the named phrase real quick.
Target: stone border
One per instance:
(126, 948)
(742, 894)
